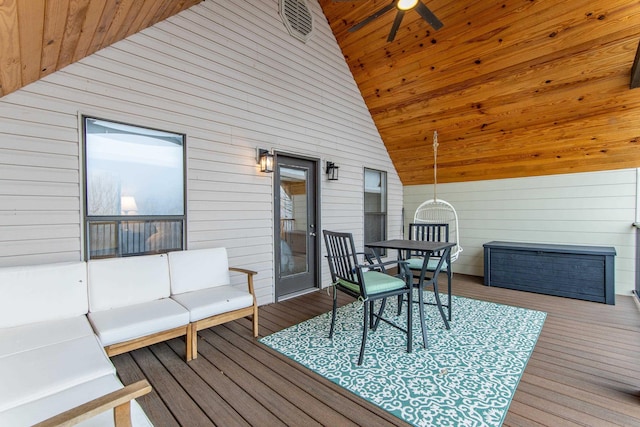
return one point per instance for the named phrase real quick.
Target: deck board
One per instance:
(585, 370)
(197, 380)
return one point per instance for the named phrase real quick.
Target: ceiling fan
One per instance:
(402, 6)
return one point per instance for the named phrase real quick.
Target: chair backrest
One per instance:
(437, 211)
(40, 293)
(343, 262)
(120, 282)
(430, 233)
(196, 269)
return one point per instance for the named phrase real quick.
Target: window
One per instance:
(134, 189)
(375, 205)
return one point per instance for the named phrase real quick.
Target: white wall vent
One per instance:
(297, 18)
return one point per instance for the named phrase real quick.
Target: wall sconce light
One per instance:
(332, 171)
(265, 159)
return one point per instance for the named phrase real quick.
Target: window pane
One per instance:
(293, 221)
(375, 206)
(133, 170)
(375, 227)
(375, 191)
(125, 238)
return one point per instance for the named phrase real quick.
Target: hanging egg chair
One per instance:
(438, 211)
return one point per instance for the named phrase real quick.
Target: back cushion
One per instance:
(38, 293)
(119, 282)
(197, 269)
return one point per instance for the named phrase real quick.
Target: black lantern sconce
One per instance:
(265, 159)
(332, 171)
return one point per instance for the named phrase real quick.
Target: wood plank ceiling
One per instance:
(39, 37)
(513, 87)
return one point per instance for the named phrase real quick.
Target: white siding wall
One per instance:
(583, 209)
(229, 76)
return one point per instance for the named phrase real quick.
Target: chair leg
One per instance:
(439, 303)
(421, 311)
(400, 298)
(333, 312)
(449, 278)
(365, 331)
(410, 327)
(375, 321)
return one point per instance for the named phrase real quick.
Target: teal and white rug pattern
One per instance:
(466, 377)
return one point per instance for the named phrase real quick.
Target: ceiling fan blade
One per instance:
(372, 17)
(396, 25)
(428, 16)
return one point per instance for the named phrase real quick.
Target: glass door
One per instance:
(296, 230)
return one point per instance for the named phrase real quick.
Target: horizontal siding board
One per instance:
(603, 215)
(53, 255)
(38, 188)
(18, 114)
(41, 247)
(11, 218)
(10, 173)
(37, 232)
(550, 225)
(39, 203)
(37, 130)
(30, 145)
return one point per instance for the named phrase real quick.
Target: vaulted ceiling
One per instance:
(513, 87)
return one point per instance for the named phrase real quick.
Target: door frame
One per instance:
(276, 226)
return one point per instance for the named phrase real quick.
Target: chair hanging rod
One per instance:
(435, 163)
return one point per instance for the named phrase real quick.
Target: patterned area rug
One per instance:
(467, 376)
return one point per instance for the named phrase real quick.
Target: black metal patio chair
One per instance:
(366, 282)
(426, 275)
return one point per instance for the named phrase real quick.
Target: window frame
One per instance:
(384, 188)
(87, 219)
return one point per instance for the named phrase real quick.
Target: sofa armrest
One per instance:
(249, 273)
(119, 401)
(243, 270)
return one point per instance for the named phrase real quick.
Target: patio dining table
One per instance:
(405, 247)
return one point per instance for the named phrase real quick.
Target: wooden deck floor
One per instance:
(585, 370)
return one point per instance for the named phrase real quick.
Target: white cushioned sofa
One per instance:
(130, 305)
(59, 323)
(50, 359)
(201, 282)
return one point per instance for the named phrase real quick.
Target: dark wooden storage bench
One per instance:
(581, 272)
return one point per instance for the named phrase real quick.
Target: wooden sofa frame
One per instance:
(119, 401)
(252, 311)
(127, 346)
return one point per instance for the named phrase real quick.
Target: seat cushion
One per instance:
(376, 282)
(120, 282)
(36, 335)
(197, 269)
(209, 302)
(139, 320)
(416, 264)
(38, 373)
(46, 407)
(39, 293)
